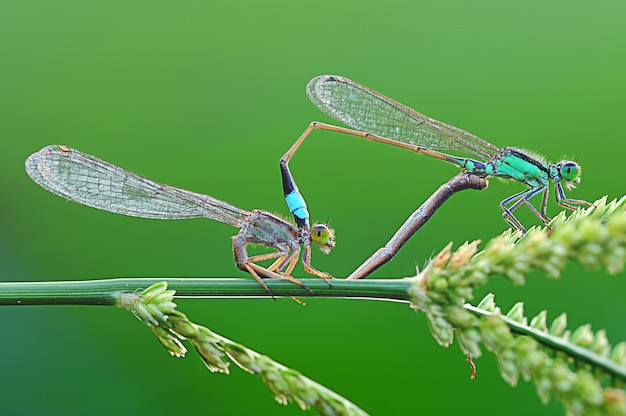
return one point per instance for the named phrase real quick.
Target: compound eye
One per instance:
(323, 236)
(570, 171)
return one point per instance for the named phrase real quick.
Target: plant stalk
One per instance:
(105, 291)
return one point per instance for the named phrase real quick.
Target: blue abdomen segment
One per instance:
(294, 199)
(297, 206)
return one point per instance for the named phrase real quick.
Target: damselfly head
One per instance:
(323, 237)
(570, 172)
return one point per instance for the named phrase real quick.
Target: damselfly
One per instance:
(87, 180)
(379, 118)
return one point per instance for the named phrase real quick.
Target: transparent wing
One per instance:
(87, 180)
(366, 110)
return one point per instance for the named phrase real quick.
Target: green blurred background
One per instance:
(207, 96)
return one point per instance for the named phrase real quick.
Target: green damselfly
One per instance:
(90, 181)
(379, 118)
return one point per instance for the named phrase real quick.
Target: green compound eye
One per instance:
(570, 171)
(323, 237)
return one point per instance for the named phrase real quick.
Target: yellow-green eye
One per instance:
(569, 170)
(323, 236)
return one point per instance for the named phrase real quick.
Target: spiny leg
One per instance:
(287, 276)
(279, 255)
(524, 197)
(252, 269)
(526, 200)
(262, 271)
(280, 275)
(565, 202)
(246, 263)
(282, 258)
(267, 256)
(280, 263)
(508, 215)
(289, 263)
(544, 203)
(306, 261)
(249, 267)
(257, 271)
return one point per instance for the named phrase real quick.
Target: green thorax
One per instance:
(515, 164)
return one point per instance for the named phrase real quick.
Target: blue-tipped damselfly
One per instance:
(90, 181)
